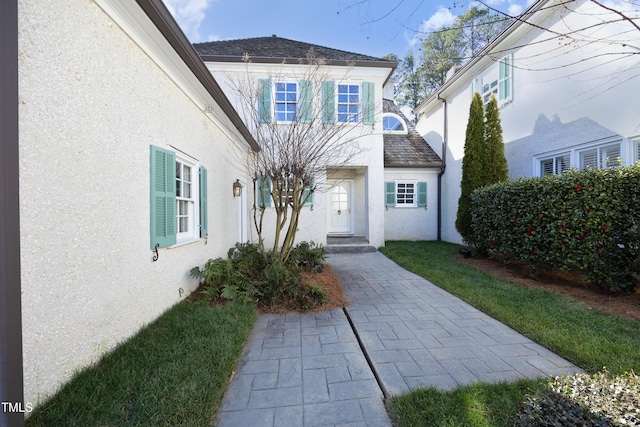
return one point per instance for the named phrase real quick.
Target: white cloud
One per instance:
(441, 18)
(515, 9)
(189, 14)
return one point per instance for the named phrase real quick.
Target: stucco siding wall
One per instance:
(564, 95)
(413, 223)
(368, 161)
(91, 104)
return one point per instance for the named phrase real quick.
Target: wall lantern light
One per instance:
(237, 188)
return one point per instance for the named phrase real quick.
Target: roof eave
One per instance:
(479, 60)
(163, 20)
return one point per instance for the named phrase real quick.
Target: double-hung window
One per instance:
(405, 193)
(348, 103)
(286, 101)
(178, 198)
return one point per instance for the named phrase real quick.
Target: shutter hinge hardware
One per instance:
(156, 255)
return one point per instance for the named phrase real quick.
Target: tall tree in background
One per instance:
(473, 166)
(417, 79)
(497, 170)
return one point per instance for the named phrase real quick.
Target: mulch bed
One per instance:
(566, 283)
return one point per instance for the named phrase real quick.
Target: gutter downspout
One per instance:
(445, 140)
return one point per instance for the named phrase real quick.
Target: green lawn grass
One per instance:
(589, 338)
(173, 372)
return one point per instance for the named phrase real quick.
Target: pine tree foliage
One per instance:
(473, 165)
(497, 170)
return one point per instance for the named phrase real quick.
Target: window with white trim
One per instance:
(286, 101)
(497, 80)
(555, 165)
(405, 193)
(178, 198)
(636, 150)
(348, 103)
(186, 200)
(604, 157)
(392, 123)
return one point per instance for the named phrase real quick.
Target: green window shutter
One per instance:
(422, 194)
(306, 101)
(263, 193)
(163, 197)
(264, 101)
(505, 78)
(390, 193)
(204, 209)
(305, 194)
(328, 102)
(368, 103)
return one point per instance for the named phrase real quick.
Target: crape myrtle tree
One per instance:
(300, 132)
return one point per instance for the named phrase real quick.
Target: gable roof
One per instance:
(407, 150)
(276, 49)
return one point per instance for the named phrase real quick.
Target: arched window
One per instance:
(393, 123)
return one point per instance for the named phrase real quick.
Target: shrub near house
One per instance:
(581, 220)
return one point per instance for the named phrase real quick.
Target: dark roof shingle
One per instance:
(278, 48)
(410, 150)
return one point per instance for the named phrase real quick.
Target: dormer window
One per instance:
(393, 123)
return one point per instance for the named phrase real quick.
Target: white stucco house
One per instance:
(564, 75)
(128, 152)
(388, 191)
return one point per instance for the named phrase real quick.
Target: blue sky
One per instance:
(371, 27)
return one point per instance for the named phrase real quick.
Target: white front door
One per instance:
(339, 219)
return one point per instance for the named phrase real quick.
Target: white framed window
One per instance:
(604, 157)
(555, 165)
(286, 101)
(186, 200)
(349, 103)
(497, 80)
(636, 149)
(406, 193)
(392, 123)
(179, 212)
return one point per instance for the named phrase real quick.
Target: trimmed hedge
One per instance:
(584, 221)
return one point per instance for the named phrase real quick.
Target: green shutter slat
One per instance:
(422, 194)
(305, 194)
(390, 193)
(368, 103)
(263, 192)
(505, 78)
(264, 100)
(204, 207)
(163, 197)
(306, 101)
(328, 102)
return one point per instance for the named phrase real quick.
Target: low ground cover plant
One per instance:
(251, 277)
(585, 221)
(600, 399)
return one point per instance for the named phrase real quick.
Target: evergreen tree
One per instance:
(496, 167)
(473, 165)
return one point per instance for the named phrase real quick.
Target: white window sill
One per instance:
(186, 242)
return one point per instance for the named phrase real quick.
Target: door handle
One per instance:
(339, 212)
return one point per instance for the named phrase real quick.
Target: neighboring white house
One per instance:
(565, 79)
(389, 189)
(126, 142)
